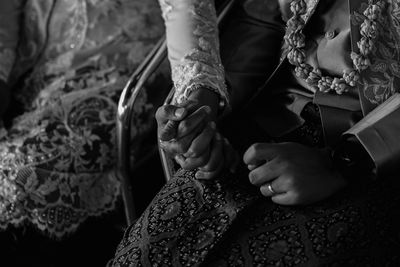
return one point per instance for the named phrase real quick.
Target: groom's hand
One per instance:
(291, 173)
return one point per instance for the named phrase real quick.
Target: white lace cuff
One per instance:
(193, 47)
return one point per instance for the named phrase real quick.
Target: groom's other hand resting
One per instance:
(292, 174)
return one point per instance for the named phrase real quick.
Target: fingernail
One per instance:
(179, 112)
(179, 158)
(226, 141)
(251, 167)
(218, 137)
(213, 125)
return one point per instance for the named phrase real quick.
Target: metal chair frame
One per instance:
(125, 111)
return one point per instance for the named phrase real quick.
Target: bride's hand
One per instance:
(222, 157)
(188, 130)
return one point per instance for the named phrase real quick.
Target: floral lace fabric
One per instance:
(57, 159)
(201, 64)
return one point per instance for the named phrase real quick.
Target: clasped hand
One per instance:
(189, 134)
(289, 173)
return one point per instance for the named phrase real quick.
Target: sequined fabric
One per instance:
(57, 159)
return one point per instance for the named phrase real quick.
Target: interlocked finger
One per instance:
(191, 122)
(202, 141)
(215, 162)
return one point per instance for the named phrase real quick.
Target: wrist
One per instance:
(351, 160)
(204, 96)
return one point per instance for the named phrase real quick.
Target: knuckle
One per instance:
(256, 148)
(283, 163)
(184, 126)
(191, 153)
(161, 112)
(194, 154)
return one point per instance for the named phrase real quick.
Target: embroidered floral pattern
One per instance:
(382, 79)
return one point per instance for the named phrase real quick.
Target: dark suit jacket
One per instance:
(255, 64)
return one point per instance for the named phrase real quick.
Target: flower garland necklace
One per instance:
(295, 41)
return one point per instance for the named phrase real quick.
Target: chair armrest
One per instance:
(126, 104)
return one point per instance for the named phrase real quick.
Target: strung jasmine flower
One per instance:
(324, 84)
(295, 41)
(297, 56)
(360, 62)
(298, 6)
(369, 29)
(295, 24)
(365, 46)
(314, 76)
(339, 85)
(351, 77)
(373, 12)
(303, 71)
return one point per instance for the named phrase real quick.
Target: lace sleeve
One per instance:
(193, 47)
(9, 30)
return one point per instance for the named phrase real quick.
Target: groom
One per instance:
(361, 127)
